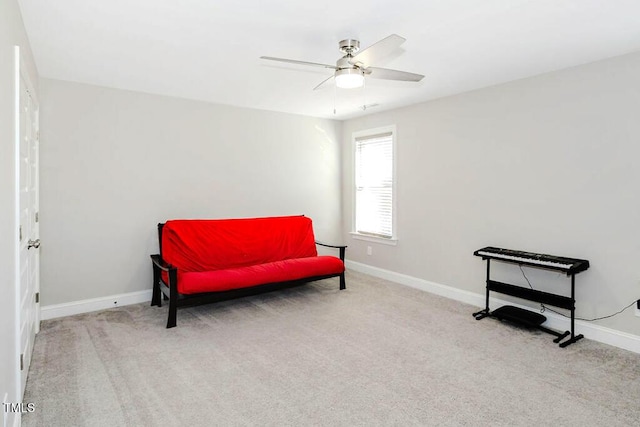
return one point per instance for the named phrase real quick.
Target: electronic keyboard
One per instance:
(558, 263)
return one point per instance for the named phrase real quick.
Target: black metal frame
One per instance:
(162, 290)
(560, 301)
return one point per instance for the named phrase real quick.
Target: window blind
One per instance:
(374, 185)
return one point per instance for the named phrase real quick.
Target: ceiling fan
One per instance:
(351, 69)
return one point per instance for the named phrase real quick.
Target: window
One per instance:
(374, 183)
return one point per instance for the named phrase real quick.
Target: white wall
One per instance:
(11, 33)
(547, 164)
(114, 163)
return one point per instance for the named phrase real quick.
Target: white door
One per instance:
(29, 254)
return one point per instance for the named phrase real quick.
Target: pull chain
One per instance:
(364, 103)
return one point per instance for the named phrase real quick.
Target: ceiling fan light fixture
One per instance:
(349, 78)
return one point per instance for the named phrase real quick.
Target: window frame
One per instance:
(394, 231)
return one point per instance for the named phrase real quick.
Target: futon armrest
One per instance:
(160, 263)
(330, 246)
(341, 247)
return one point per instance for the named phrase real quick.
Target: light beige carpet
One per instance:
(377, 353)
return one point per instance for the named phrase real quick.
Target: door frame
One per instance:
(16, 215)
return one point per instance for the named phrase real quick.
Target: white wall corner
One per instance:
(591, 331)
(94, 304)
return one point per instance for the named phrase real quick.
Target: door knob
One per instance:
(33, 244)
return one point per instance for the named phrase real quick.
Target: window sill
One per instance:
(390, 242)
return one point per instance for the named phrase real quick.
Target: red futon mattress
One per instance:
(225, 254)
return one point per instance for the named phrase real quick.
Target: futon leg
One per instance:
(173, 298)
(173, 311)
(342, 282)
(155, 297)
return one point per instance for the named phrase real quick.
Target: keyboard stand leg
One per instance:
(561, 337)
(481, 314)
(571, 340)
(485, 313)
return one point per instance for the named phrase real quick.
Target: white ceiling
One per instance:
(209, 49)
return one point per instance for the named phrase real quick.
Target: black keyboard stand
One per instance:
(523, 316)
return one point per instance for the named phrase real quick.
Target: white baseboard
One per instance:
(594, 332)
(93, 304)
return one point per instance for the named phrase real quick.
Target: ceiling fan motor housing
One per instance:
(349, 46)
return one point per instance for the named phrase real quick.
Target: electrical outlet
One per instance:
(369, 250)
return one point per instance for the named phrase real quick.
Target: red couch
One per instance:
(204, 260)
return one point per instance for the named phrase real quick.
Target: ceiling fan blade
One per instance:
(323, 82)
(377, 51)
(293, 61)
(387, 74)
